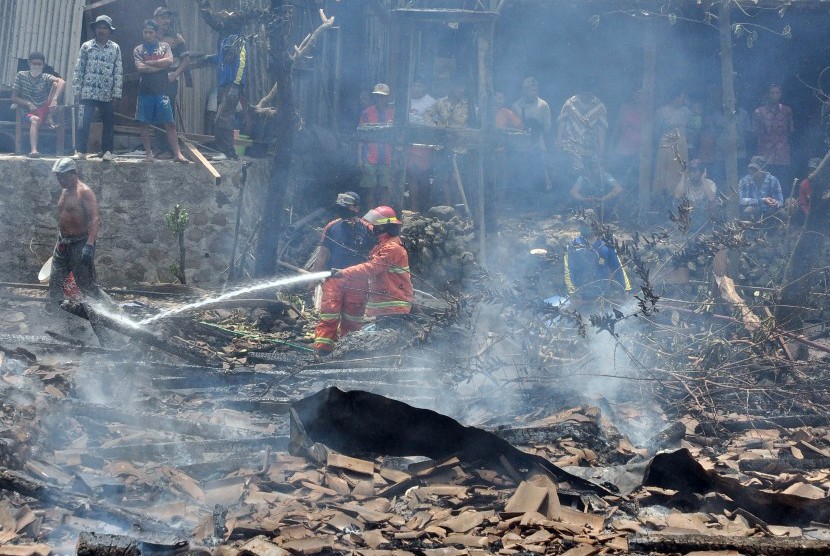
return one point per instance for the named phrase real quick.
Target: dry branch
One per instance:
(308, 42)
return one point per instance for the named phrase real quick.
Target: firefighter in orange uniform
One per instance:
(390, 289)
(346, 241)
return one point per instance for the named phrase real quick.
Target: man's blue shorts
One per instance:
(154, 109)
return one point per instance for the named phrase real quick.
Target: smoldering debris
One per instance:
(138, 431)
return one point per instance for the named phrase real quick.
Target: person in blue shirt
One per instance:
(760, 191)
(231, 69)
(593, 269)
(346, 241)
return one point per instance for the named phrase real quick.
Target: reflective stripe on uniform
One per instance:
(399, 270)
(354, 318)
(329, 316)
(321, 340)
(382, 304)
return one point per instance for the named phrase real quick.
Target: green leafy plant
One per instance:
(177, 220)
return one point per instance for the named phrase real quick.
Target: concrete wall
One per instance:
(134, 243)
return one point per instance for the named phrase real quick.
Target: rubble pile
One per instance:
(440, 246)
(194, 443)
(212, 469)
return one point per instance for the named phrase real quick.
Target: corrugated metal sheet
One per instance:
(8, 10)
(53, 27)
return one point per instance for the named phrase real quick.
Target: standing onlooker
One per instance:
(452, 111)
(152, 58)
(231, 72)
(37, 93)
(181, 56)
(506, 120)
(97, 81)
(418, 157)
(181, 59)
(773, 123)
(529, 164)
(581, 128)
(670, 124)
(375, 159)
(759, 191)
(626, 140)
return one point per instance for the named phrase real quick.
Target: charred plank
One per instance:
(745, 545)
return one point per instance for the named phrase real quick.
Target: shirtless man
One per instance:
(78, 221)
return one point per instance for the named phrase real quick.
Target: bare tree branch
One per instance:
(308, 42)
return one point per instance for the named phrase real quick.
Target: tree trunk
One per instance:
(730, 188)
(728, 81)
(647, 132)
(281, 68)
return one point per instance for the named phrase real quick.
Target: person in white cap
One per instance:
(375, 159)
(78, 227)
(97, 81)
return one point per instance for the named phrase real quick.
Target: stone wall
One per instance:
(134, 244)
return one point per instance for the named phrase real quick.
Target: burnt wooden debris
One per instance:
(198, 428)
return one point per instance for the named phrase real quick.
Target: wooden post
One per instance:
(647, 132)
(731, 154)
(484, 44)
(728, 81)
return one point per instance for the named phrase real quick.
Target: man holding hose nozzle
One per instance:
(390, 290)
(345, 242)
(78, 225)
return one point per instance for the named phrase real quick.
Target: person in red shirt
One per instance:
(390, 287)
(772, 123)
(805, 189)
(375, 159)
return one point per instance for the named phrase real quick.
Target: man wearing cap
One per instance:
(760, 191)
(375, 159)
(97, 81)
(78, 226)
(346, 241)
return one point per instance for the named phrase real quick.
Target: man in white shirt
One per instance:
(529, 163)
(418, 157)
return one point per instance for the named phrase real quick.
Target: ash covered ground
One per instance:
(183, 434)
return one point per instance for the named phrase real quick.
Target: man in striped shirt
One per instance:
(37, 93)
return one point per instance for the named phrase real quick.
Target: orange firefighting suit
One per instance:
(390, 290)
(344, 300)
